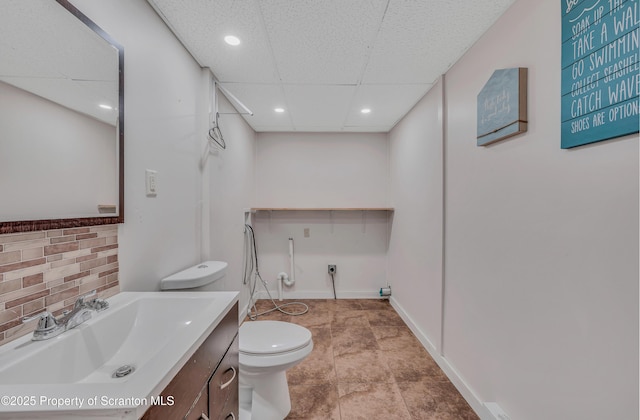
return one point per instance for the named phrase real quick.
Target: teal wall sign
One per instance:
(502, 106)
(600, 70)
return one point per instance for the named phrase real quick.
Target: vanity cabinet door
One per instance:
(231, 408)
(200, 408)
(223, 386)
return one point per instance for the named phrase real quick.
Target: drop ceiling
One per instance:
(323, 61)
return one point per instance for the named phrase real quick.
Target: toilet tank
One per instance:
(199, 277)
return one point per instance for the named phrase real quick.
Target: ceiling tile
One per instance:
(261, 99)
(202, 25)
(324, 57)
(323, 107)
(322, 42)
(388, 104)
(420, 40)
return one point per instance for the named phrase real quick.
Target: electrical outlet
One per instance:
(332, 269)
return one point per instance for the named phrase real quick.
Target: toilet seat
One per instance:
(270, 338)
(267, 349)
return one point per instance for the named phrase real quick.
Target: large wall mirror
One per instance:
(61, 119)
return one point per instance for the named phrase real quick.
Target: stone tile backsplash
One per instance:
(50, 269)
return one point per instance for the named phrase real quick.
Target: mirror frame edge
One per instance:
(47, 224)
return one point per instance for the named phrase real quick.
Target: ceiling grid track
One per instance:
(324, 61)
(370, 48)
(275, 65)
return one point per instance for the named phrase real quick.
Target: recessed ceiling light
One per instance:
(365, 110)
(279, 110)
(232, 40)
(103, 106)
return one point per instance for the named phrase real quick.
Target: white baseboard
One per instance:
(476, 404)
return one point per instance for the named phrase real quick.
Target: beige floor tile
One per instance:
(362, 366)
(423, 404)
(366, 364)
(376, 304)
(313, 371)
(343, 304)
(372, 401)
(395, 338)
(312, 304)
(319, 366)
(314, 402)
(314, 318)
(352, 340)
(412, 365)
(322, 339)
(350, 319)
(383, 318)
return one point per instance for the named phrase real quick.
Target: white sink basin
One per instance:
(155, 332)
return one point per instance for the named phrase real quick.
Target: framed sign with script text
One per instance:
(502, 106)
(600, 70)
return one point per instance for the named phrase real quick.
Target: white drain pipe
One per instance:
(291, 280)
(282, 278)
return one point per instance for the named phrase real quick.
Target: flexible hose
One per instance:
(251, 267)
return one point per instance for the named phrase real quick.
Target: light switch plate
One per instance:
(151, 182)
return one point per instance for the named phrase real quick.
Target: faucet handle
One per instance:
(98, 304)
(46, 321)
(80, 300)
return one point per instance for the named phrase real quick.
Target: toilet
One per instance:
(266, 349)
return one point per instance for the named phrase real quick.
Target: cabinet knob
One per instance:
(203, 417)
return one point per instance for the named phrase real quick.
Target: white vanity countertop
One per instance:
(71, 376)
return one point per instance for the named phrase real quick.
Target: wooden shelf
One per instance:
(255, 209)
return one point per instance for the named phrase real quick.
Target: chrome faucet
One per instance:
(50, 326)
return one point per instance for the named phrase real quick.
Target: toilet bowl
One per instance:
(267, 350)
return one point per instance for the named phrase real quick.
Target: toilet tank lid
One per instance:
(196, 276)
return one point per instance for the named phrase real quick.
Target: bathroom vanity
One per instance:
(180, 350)
(207, 385)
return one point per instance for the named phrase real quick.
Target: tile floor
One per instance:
(366, 364)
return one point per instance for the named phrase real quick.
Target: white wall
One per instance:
(54, 162)
(165, 129)
(323, 170)
(541, 244)
(356, 242)
(231, 186)
(415, 247)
